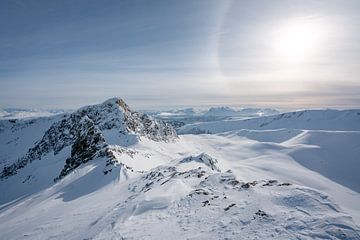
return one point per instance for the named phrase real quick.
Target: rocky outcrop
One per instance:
(116, 114)
(205, 159)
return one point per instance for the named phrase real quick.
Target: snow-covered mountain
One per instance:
(214, 112)
(17, 113)
(221, 111)
(107, 172)
(180, 117)
(73, 139)
(306, 119)
(244, 112)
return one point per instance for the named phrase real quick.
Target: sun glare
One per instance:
(297, 40)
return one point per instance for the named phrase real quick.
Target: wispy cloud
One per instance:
(173, 53)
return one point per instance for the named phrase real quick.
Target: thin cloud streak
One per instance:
(174, 53)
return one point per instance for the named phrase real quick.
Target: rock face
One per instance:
(205, 159)
(115, 113)
(84, 129)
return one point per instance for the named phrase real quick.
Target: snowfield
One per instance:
(306, 119)
(107, 172)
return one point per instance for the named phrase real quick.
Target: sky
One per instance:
(287, 54)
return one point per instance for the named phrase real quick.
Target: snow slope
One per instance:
(334, 154)
(242, 184)
(326, 141)
(263, 196)
(307, 119)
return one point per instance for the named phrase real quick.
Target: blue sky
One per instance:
(65, 54)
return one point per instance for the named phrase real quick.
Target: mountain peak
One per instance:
(110, 105)
(91, 132)
(117, 101)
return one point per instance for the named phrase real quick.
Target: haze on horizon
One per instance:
(284, 54)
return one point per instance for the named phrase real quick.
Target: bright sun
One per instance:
(297, 40)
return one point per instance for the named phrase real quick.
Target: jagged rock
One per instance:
(205, 159)
(115, 113)
(87, 145)
(230, 206)
(261, 213)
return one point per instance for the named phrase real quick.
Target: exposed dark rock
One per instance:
(261, 213)
(229, 179)
(248, 184)
(230, 206)
(206, 203)
(199, 192)
(270, 183)
(205, 159)
(284, 184)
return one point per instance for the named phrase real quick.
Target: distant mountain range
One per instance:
(17, 113)
(307, 119)
(215, 112)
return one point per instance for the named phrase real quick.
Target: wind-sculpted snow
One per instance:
(325, 141)
(193, 202)
(203, 204)
(307, 119)
(334, 154)
(82, 130)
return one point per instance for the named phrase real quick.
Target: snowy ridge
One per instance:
(307, 119)
(15, 113)
(326, 152)
(198, 203)
(195, 202)
(203, 158)
(180, 117)
(83, 131)
(223, 111)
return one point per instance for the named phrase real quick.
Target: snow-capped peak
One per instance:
(90, 131)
